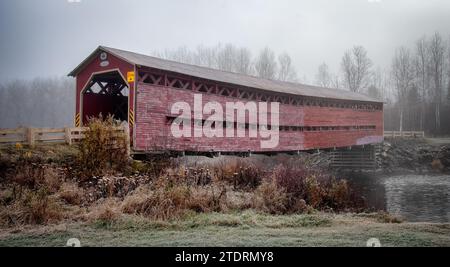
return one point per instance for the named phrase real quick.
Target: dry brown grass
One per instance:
(72, 194)
(105, 212)
(270, 198)
(103, 149)
(243, 174)
(437, 165)
(28, 195)
(167, 200)
(32, 173)
(160, 204)
(384, 217)
(31, 207)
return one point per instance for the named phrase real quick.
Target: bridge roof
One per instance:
(227, 77)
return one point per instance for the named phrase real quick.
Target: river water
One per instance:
(413, 197)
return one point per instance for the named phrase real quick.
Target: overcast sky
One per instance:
(50, 37)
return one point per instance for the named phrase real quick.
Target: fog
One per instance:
(50, 37)
(394, 50)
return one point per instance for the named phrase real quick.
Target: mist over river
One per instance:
(413, 197)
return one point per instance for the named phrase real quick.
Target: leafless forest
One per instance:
(41, 102)
(416, 87)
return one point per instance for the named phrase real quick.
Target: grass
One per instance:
(245, 229)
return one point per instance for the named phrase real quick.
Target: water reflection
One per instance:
(416, 198)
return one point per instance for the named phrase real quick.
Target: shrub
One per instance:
(104, 148)
(315, 192)
(208, 199)
(293, 180)
(71, 194)
(33, 174)
(437, 165)
(307, 189)
(33, 207)
(5, 166)
(270, 198)
(153, 165)
(339, 195)
(243, 174)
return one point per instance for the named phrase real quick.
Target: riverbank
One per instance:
(243, 229)
(415, 156)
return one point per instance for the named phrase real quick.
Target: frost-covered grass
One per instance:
(235, 229)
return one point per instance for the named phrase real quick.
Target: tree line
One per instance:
(267, 64)
(41, 102)
(416, 87)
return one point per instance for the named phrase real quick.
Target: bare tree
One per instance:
(243, 61)
(448, 71)
(403, 78)
(265, 64)
(226, 58)
(380, 82)
(323, 76)
(376, 85)
(286, 71)
(336, 82)
(356, 68)
(206, 56)
(421, 63)
(181, 54)
(436, 68)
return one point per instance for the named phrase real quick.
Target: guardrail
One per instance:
(36, 136)
(404, 134)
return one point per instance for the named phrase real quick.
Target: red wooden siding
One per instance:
(153, 127)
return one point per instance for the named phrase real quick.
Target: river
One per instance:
(413, 197)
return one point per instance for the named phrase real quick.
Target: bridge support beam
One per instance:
(357, 157)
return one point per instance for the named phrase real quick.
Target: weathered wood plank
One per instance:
(12, 140)
(12, 131)
(62, 139)
(49, 130)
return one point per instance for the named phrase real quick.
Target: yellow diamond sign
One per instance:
(130, 76)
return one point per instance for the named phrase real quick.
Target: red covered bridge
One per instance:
(141, 90)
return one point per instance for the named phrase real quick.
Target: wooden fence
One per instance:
(37, 136)
(404, 134)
